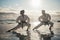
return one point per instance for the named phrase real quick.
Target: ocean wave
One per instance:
(7, 21)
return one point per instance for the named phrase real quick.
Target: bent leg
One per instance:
(51, 25)
(28, 24)
(38, 26)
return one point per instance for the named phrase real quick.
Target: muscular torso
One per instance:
(22, 18)
(44, 17)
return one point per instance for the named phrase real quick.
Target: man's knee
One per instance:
(51, 23)
(28, 24)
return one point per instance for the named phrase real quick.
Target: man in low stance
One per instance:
(45, 20)
(22, 20)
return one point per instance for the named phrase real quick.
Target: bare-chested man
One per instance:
(22, 20)
(45, 20)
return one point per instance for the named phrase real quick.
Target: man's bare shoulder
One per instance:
(41, 16)
(25, 15)
(18, 16)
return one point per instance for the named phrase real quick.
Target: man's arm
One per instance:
(28, 20)
(17, 20)
(49, 17)
(40, 18)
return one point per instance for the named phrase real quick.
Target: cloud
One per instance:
(28, 12)
(10, 9)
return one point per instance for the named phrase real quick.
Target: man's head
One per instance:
(22, 12)
(43, 12)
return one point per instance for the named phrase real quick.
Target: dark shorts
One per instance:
(22, 24)
(45, 23)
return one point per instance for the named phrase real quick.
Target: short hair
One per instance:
(21, 11)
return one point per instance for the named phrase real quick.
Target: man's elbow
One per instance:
(16, 21)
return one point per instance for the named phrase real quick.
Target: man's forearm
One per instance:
(17, 21)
